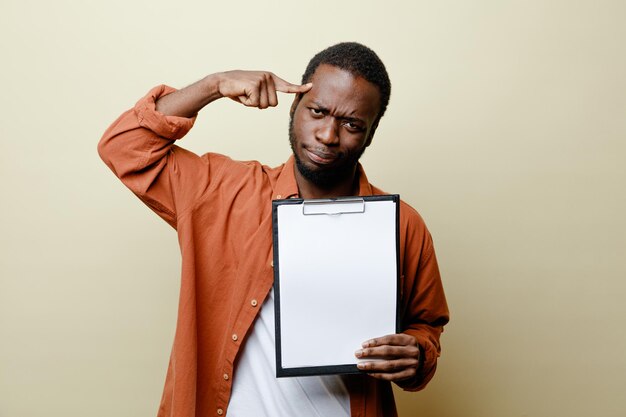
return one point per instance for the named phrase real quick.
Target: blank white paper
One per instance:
(337, 282)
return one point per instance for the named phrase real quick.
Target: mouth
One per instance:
(321, 158)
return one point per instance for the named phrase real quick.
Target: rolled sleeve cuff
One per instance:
(169, 127)
(426, 369)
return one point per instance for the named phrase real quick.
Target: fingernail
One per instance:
(360, 365)
(366, 344)
(358, 353)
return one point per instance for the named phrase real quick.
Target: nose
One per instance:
(326, 132)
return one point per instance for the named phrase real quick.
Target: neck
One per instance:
(308, 190)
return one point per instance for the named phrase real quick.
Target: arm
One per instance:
(426, 315)
(250, 88)
(139, 146)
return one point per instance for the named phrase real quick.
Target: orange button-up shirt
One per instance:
(222, 212)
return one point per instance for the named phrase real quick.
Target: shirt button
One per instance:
(254, 303)
(234, 336)
(225, 377)
(220, 411)
(279, 196)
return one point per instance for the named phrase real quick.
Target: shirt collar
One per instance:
(286, 186)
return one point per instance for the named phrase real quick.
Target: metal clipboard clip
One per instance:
(333, 206)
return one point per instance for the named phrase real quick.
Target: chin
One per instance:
(323, 177)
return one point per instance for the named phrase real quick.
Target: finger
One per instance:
(392, 366)
(245, 100)
(397, 339)
(395, 376)
(388, 352)
(251, 98)
(272, 98)
(263, 95)
(286, 87)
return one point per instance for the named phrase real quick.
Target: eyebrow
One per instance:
(325, 109)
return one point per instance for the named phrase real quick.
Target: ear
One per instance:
(294, 105)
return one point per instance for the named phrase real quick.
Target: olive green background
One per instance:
(506, 130)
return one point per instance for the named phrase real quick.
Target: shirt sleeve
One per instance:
(425, 306)
(139, 148)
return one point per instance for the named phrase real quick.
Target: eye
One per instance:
(316, 112)
(353, 126)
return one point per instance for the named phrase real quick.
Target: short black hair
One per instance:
(357, 59)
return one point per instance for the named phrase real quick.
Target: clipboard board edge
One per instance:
(331, 369)
(396, 200)
(276, 285)
(318, 370)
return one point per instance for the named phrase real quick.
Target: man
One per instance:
(222, 360)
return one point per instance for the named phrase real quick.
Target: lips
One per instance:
(321, 158)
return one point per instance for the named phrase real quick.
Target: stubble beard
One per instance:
(329, 176)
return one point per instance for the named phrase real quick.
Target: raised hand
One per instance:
(250, 88)
(256, 88)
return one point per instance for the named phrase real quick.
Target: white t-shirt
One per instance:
(256, 391)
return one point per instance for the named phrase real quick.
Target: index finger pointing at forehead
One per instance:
(286, 87)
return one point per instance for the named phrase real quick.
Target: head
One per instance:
(358, 60)
(333, 123)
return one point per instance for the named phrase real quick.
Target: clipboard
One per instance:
(336, 280)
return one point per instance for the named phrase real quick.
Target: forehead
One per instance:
(344, 94)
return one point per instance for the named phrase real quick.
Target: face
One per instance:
(332, 124)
